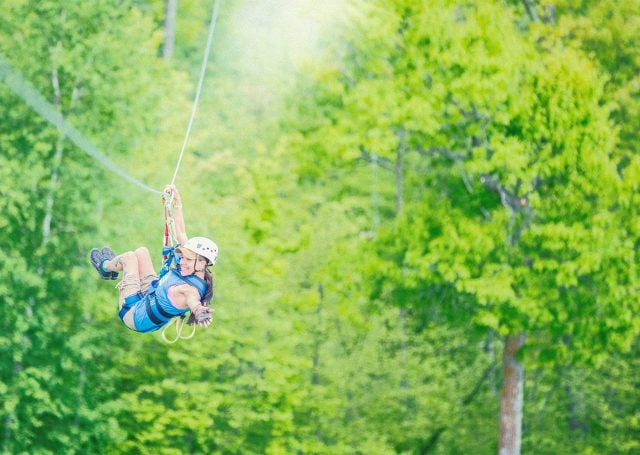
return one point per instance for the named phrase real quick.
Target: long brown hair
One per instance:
(208, 295)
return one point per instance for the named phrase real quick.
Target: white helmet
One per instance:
(202, 246)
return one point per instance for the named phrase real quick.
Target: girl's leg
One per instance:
(137, 274)
(142, 260)
(145, 268)
(115, 264)
(127, 263)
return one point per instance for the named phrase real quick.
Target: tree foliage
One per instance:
(445, 174)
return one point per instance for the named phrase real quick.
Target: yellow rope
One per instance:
(179, 321)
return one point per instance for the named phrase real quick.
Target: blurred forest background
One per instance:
(424, 210)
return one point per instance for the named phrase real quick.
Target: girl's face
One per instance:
(188, 266)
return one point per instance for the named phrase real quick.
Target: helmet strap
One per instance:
(195, 263)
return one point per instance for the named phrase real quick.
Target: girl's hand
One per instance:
(173, 191)
(203, 315)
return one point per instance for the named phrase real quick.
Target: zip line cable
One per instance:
(205, 60)
(38, 103)
(12, 78)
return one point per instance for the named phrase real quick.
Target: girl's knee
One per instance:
(143, 256)
(128, 255)
(128, 258)
(145, 264)
(143, 250)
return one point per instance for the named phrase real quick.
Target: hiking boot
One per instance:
(108, 254)
(97, 257)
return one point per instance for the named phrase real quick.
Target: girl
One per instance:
(147, 302)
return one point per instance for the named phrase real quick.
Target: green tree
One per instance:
(90, 61)
(504, 173)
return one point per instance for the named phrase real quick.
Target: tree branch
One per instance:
(510, 200)
(457, 157)
(381, 161)
(433, 439)
(449, 154)
(474, 391)
(531, 10)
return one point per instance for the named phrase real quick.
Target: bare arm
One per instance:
(184, 296)
(178, 214)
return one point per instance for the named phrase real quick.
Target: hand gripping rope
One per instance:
(168, 256)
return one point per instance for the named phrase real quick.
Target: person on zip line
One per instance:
(147, 301)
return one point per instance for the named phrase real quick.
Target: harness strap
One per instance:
(164, 312)
(128, 303)
(169, 257)
(196, 283)
(157, 321)
(159, 318)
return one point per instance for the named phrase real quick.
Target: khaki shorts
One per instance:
(132, 284)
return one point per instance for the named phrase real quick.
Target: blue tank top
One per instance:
(155, 309)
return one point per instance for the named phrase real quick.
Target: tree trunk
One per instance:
(315, 375)
(404, 380)
(375, 197)
(169, 29)
(578, 424)
(57, 159)
(399, 170)
(512, 395)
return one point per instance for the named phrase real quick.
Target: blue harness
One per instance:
(154, 309)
